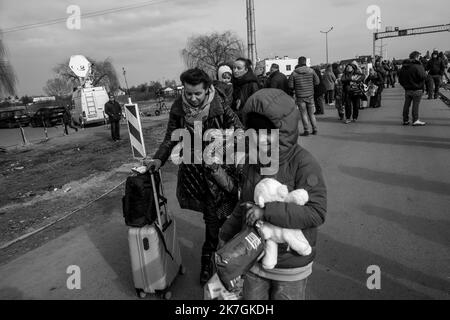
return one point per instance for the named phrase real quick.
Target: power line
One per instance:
(87, 15)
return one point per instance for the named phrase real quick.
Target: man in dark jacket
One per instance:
(319, 93)
(297, 169)
(435, 68)
(67, 121)
(412, 77)
(114, 112)
(277, 80)
(302, 81)
(198, 105)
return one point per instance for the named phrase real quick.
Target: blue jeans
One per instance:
(413, 96)
(257, 288)
(307, 108)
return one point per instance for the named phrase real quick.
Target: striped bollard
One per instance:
(135, 131)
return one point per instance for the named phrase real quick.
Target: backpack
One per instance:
(138, 203)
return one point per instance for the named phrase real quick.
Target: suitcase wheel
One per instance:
(182, 270)
(140, 293)
(167, 295)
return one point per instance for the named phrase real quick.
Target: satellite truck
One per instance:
(89, 102)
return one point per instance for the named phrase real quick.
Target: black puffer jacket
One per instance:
(412, 75)
(436, 67)
(196, 188)
(297, 169)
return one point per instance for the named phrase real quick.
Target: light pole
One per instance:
(326, 40)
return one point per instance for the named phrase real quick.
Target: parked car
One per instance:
(48, 116)
(12, 117)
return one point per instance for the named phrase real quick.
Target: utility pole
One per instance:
(251, 31)
(326, 40)
(126, 83)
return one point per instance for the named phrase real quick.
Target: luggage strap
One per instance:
(161, 235)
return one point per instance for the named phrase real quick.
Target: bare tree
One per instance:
(208, 52)
(8, 79)
(58, 87)
(103, 74)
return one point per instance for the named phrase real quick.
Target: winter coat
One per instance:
(328, 80)
(436, 67)
(412, 75)
(297, 169)
(196, 188)
(113, 110)
(243, 88)
(352, 82)
(375, 79)
(319, 89)
(302, 81)
(277, 80)
(225, 91)
(67, 117)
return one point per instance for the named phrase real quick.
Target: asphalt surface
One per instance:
(388, 206)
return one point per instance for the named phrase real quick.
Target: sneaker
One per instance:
(331, 104)
(206, 269)
(347, 121)
(305, 134)
(353, 120)
(406, 123)
(314, 132)
(418, 123)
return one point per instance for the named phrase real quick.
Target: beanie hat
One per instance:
(258, 121)
(223, 69)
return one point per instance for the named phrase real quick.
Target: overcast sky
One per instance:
(147, 41)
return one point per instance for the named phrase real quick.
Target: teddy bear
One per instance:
(270, 190)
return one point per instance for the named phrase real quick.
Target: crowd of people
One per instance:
(239, 100)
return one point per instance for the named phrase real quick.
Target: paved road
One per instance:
(388, 205)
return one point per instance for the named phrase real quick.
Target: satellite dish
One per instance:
(80, 66)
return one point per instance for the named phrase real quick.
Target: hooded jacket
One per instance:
(195, 190)
(329, 80)
(412, 75)
(277, 80)
(297, 169)
(435, 66)
(302, 81)
(351, 81)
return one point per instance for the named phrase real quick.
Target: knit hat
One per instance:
(223, 69)
(257, 121)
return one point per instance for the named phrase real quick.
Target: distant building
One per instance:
(43, 99)
(119, 92)
(169, 92)
(287, 65)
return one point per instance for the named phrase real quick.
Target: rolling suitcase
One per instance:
(155, 253)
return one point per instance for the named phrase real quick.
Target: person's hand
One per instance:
(152, 164)
(253, 214)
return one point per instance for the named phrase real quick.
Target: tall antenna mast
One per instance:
(251, 31)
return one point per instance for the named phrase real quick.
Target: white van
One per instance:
(89, 105)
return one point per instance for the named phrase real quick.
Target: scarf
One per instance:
(198, 113)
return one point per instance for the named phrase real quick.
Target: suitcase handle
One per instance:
(156, 198)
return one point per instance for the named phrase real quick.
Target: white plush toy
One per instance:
(270, 190)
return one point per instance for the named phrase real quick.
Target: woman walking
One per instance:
(329, 80)
(352, 81)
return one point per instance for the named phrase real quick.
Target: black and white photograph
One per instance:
(186, 151)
